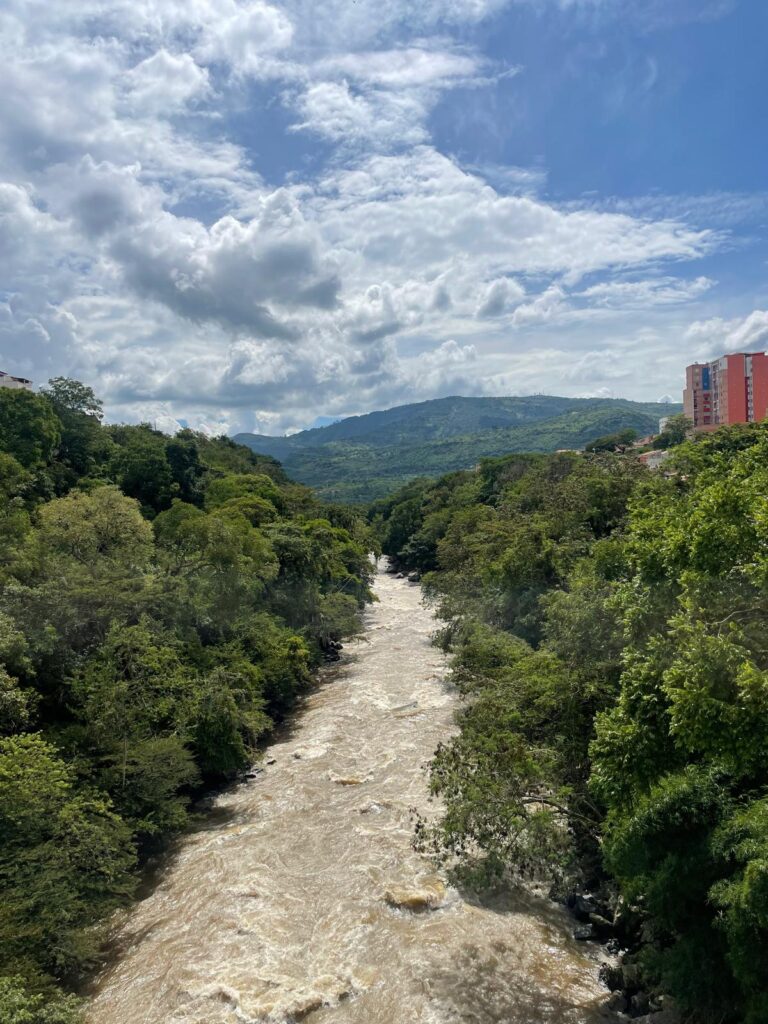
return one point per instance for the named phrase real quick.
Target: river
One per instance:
(281, 907)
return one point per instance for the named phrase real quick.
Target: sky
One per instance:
(249, 215)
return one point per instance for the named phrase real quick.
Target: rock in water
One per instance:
(428, 895)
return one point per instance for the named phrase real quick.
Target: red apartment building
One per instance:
(732, 389)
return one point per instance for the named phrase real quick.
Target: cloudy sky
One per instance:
(242, 214)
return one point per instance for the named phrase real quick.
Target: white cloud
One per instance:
(381, 97)
(405, 68)
(500, 297)
(165, 82)
(544, 308)
(644, 293)
(334, 111)
(244, 35)
(142, 249)
(24, 229)
(238, 274)
(600, 365)
(421, 209)
(716, 336)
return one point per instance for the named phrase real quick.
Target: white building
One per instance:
(8, 381)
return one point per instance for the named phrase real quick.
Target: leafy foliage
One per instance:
(163, 601)
(19, 1005)
(608, 629)
(613, 442)
(520, 558)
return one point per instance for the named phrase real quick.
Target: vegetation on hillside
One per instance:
(608, 632)
(363, 458)
(162, 602)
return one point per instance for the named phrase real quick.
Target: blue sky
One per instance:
(243, 214)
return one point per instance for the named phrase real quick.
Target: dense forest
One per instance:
(163, 602)
(607, 627)
(362, 458)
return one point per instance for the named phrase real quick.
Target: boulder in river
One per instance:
(426, 895)
(414, 577)
(583, 905)
(616, 1003)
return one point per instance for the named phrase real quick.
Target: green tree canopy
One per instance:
(30, 430)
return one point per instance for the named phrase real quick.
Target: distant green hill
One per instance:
(364, 457)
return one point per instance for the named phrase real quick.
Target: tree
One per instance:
(243, 485)
(617, 442)
(65, 861)
(86, 564)
(187, 471)
(66, 394)
(99, 531)
(17, 706)
(679, 760)
(13, 478)
(229, 717)
(139, 465)
(501, 779)
(18, 1005)
(30, 430)
(678, 428)
(83, 446)
(136, 699)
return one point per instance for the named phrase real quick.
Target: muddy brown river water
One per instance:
(281, 908)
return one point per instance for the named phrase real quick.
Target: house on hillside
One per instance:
(9, 381)
(654, 459)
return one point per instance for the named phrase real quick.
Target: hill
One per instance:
(362, 458)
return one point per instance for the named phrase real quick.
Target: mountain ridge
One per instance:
(363, 457)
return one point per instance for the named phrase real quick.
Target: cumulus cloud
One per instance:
(599, 365)
(715, 336)
(148, 245)
(238, 274)
(500, 297)
(382, 97)
(244, 34)
(165, 82)
(544, 308)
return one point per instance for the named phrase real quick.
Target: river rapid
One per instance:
(302, 899)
